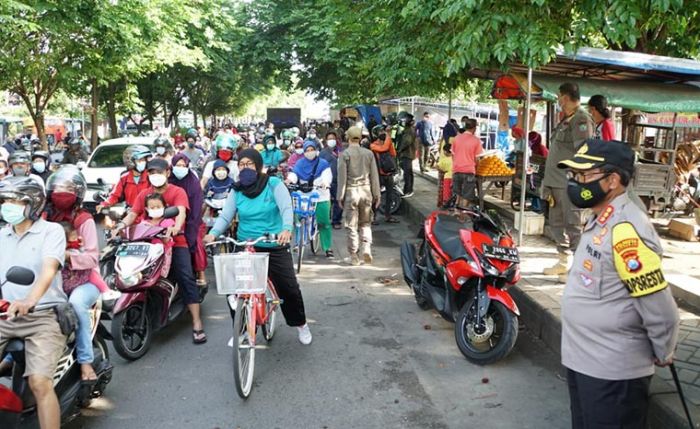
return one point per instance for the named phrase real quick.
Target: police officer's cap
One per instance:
(354, 133)
(596, 153)
(158, 164)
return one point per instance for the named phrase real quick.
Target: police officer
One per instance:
(564, 220)
(618, 315)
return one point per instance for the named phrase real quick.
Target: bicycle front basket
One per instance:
(241, 273)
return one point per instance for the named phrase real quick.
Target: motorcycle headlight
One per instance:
(487, 267)
(130, 281)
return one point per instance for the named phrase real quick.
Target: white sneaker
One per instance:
(110, 295)
(304, 334)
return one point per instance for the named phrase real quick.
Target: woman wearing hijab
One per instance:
(264, 206)
(317, 171)
(297, 154)
(183, 177)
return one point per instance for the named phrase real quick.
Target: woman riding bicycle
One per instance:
(312, 170)
(264, 207)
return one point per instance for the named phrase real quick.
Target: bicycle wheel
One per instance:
(315, 238)
(243, 348)
(270, 325)
(301, 243)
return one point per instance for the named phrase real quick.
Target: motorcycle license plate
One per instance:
(133, 250)
(509, 254)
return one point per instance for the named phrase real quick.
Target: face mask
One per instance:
(190, 144)
(156, 213)
(140, 166)
(585, 195)
(247, 176)
(39, 166)
(312, 136)
(221, 174)
(160, 150)
(269, 133)
(157, 180)
(3, 170)
(310, 155)
(74, 244)
(285, 143)
(271, 146)
(12, 213)
(63, 200)
(331, 143)
(225, 155)
(19, 171)
(180, 172)
(299, 151)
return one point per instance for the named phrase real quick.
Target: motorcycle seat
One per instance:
(446, 231)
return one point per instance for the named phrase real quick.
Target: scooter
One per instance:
(395, 194)
(149, 300)
(17, 403)
(462, 269)
(213, 206)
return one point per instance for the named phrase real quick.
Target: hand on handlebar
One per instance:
(20, 307)
(208, 238)
(284, 238)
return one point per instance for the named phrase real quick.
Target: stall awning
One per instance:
(640, 95)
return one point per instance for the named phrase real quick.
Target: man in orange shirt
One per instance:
(383, 149)
(465, 149)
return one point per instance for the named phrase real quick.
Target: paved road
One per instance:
(377, 361)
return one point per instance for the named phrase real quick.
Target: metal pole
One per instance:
(413, 106)
(526, 157)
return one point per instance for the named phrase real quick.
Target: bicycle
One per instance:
(242, 277)
(305, 227)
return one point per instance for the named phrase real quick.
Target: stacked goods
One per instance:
(492, 165)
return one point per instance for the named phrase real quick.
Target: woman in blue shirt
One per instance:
(264, 207)
(272, 156)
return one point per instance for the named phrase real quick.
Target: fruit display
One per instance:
(492, 165)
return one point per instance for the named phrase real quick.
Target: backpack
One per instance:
(386, 163)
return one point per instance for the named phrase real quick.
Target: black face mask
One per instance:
(586, 195)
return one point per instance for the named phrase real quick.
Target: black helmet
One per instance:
(377, 130)
(41, 154)
(69, 177)
(19, 156)
(404, 118)
(76, 142)
(161, 141)
(24, 189)
(134, 153)
(268, 139)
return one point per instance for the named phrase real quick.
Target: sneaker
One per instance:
(304, 334)
(409, 195)
(354, 259)
(329, 254)
(111, 295)
(368, 258)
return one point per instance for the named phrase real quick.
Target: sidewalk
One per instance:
(539, 298)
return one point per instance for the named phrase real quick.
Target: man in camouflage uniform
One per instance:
(564, 220)
(618, 314)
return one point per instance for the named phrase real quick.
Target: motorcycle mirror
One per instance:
(171, 212)
(20, 275)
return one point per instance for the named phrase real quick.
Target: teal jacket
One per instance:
(269, 213)
(272, 158)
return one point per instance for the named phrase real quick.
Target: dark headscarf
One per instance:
(256, 188)
(190, 184)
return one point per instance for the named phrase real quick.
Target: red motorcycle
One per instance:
(462, 269)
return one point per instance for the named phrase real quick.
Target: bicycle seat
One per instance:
(446, 231)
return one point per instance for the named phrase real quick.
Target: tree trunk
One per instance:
(177, 123)
(94, 109)
(194, 114)
(112, 110)
(38, 118)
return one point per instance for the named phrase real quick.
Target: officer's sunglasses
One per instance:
(581, 177)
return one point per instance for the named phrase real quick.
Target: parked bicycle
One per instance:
(242, 277)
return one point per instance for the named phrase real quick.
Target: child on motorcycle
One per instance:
(155, 208)
(221, 183)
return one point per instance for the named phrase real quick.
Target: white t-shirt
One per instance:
(322, 182)
(232, 170)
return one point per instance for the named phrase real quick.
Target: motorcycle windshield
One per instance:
(491, 218)
(142, 231)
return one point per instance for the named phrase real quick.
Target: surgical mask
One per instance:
(160, 150)
(18, 170)
(312, 136)
(140, 166)
(3, 170)
(311, 155)
(39, 166)
(180, 172)
(247, 176)
(221, 174)
(156, 213)
(586, 195)
(157, 180)
(331, 143)
(271, 146)
(285, 142)
(299, 151)
(12, 213)
(269, 133)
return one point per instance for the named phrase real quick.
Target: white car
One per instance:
(106, 164)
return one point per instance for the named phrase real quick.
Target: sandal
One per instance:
(392, 220)
(201, 282)
(337, 226)
(198, 336)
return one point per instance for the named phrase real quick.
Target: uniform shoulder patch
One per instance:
(638, 266)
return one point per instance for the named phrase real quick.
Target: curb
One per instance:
(665, 409)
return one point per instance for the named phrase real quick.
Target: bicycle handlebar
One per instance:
(269, 238)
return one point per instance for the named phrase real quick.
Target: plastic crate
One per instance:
(241, 273)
